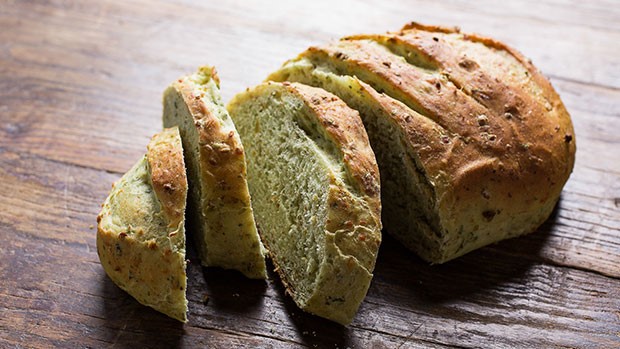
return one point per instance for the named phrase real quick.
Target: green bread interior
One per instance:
(290, 165)
(135, 204)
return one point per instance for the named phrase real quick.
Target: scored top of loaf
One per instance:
(506, 143)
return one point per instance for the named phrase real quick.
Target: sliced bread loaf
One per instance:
(473, 143)
(140, 231)
(315, 189)
(219, 200)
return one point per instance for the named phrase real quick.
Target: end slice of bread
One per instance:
(315, 188)
(140, 232)
(219, 199)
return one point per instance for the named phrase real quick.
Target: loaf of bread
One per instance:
(140, 231)
(473, 143)
(219, 202)
(315, 190)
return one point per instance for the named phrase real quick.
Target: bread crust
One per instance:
(165, 159)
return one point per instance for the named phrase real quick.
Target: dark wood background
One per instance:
(80, 96)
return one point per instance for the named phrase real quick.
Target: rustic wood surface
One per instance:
(80, 96)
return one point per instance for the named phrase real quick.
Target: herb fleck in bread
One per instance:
(140, 232)
(473, 143)
(219, 201)
(315, 189)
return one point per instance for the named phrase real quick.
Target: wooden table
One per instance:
(80, 96)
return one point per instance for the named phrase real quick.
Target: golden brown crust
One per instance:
(493, 110)
(427, 93)
(493, 85)
(526, 105)
(413, 85)
(536, 75)
(431, 28)
(427, 139)
(165, 158)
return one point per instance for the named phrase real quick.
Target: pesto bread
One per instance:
(219, 200)
(140, 231)
(473, 143)
(315, 189)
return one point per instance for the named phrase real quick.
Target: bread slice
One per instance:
(473, 143)
(219, 201)
(140, 231)
(315, 188)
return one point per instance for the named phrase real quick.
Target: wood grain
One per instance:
(80, 96)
